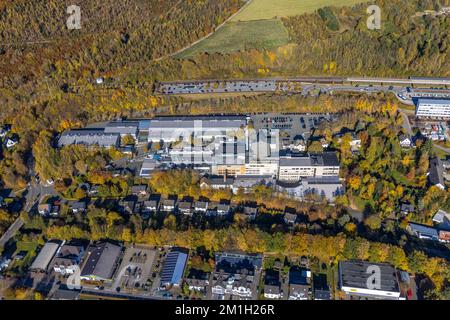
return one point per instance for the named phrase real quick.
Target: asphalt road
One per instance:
(34, 194)
(12, 230)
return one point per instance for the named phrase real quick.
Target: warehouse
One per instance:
(355, 279)
(101, 262)
(45, 256)
(433, 108)
(173, 269)
(170, 129)
(293, 168)
(89, 137)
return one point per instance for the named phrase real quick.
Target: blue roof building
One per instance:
(173, 269)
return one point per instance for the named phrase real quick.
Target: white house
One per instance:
(11, 142)
(405, 141)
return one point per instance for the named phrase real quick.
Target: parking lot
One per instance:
(134, 272)
(291, 124)
(217, 87)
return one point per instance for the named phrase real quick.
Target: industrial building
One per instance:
(89, 137)
(173, 268)
(369, 280)
(101, 262)
(433, 108)
(45, 256)
(293, 168)
(123, 128)
(171, 129)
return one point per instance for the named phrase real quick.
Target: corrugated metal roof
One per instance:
(45, 256)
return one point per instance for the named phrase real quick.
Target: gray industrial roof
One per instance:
(355, 274)
(101, 260)
(210, 122)
(330, 159)
(45, 256)
(295, 162)
(88, 137)
(433, 101)
(122, 127)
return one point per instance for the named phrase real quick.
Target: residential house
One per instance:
(198, 280)
(320, 287)
(299, 283)
(251, 211)
(201, 206)
(436, 173)
(168, 205)
(93, 191)
(11, 142)
(68, 259)
(405, 141)
(139, 190)
(151, 205)
(4, 263)
(4, 130)
(272, 285)
(54, 212)
(44, 209)
(185, 207)
(128, 205)
(423, 231)
(235, 275)
(77, 206)
(290, 218)
(406, 208)
(223, 209)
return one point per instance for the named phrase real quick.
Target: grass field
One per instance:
(269, 9)
(258, 26)
(235, 36)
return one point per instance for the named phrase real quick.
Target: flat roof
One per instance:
(173, 269)
(354, 274)
(433, 101)
(206, 122)
(296, 162)
(45, 256)
(101, 260)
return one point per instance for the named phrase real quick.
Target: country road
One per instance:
(11, 232)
